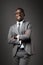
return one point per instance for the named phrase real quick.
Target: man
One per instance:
(20, 36)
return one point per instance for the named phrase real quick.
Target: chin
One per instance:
(19, 20)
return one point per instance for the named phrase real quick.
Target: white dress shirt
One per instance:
(22, 46)
(20, 23)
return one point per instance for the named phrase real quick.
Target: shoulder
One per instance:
(28, 24)
(12, 26)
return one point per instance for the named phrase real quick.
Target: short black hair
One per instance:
(21, 9)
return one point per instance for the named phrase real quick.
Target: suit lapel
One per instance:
(16, 29)
(22, 28)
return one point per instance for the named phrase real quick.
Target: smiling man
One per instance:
(20, 37)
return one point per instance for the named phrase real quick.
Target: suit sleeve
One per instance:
(27, 33)
(11, 39)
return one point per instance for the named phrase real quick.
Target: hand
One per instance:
(12, 38)
(17, 36)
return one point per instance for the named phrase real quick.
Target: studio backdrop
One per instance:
(33, 14)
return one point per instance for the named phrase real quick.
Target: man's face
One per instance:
(19, 15)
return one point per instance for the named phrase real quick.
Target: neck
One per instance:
(20, 20)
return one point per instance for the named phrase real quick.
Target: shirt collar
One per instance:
(20, 22)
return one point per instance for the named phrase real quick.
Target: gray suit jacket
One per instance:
(26, 26)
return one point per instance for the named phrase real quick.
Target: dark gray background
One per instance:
(33, 12)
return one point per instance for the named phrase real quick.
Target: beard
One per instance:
(19, 18)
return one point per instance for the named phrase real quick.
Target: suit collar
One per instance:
(21, 21)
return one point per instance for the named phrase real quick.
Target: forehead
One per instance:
(18, 11)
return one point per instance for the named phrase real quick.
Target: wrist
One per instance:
(18, 36)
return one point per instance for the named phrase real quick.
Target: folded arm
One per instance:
(27, 33)
(11, 37)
